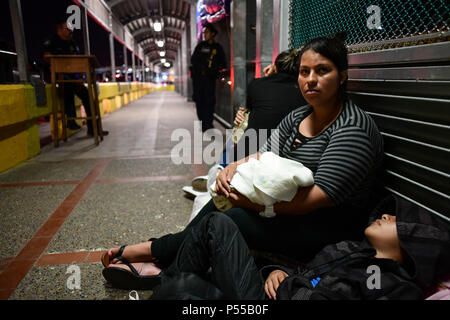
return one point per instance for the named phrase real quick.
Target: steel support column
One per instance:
(19, 39)
(284, 25)
(184, 65)
(112, 52)
(85, 23)
(133, 63)
(264, 35)
(125, 61)
(239, 54)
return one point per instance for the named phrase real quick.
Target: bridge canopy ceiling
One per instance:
(139, 16)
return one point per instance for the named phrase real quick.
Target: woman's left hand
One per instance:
(241, 201)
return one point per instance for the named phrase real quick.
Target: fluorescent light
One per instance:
(162, 53)
(167, 65)
(160, 43)
(163, 60)
(147, 69)
(157, 26)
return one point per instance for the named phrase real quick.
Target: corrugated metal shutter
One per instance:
(407, 92)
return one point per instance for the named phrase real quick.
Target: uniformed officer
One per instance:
(208, 59)
(62, 43)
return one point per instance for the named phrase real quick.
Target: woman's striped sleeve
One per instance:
(345, 164)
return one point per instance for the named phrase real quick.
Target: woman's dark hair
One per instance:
(332, 48)
(288, 62)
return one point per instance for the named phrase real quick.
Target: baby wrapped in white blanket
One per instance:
(266, 181)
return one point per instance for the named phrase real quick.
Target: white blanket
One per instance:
(270, 179)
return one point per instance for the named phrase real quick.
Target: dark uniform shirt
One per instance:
(56, 45)
(208, 60)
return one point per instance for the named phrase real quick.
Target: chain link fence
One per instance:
(371, 25)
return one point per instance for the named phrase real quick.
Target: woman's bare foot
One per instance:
(143, 268)
(133, 253)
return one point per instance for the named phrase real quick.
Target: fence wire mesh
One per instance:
(371, 24)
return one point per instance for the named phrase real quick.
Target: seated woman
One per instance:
(332, 137)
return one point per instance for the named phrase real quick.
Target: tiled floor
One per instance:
(62, 209)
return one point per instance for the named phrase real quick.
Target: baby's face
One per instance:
(383, 232)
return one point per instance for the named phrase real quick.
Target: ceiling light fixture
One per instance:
(157, 26)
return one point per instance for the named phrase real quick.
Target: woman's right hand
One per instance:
(269, 70)
(224, 178)
(239, 116)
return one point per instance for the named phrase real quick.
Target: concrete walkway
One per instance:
(62, 209)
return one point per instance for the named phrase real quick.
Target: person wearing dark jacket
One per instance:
(270, 99)
(405, 249)
(62, 43)
(206, 63)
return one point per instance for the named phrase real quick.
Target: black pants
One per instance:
(297, 237)
(205, 100)
(216, 243)
(72, 89)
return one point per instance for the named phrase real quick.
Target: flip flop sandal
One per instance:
(123, 279)
(105, 257)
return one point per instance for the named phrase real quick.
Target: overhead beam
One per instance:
(154, 54)
(115, 3)
(148, 51)
(138, 32)
(151, 36)
(153, 46)
(129, 20)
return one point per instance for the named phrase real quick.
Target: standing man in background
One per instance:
(62, 43)
(206, 63)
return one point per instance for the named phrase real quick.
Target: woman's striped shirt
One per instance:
(344, 159)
